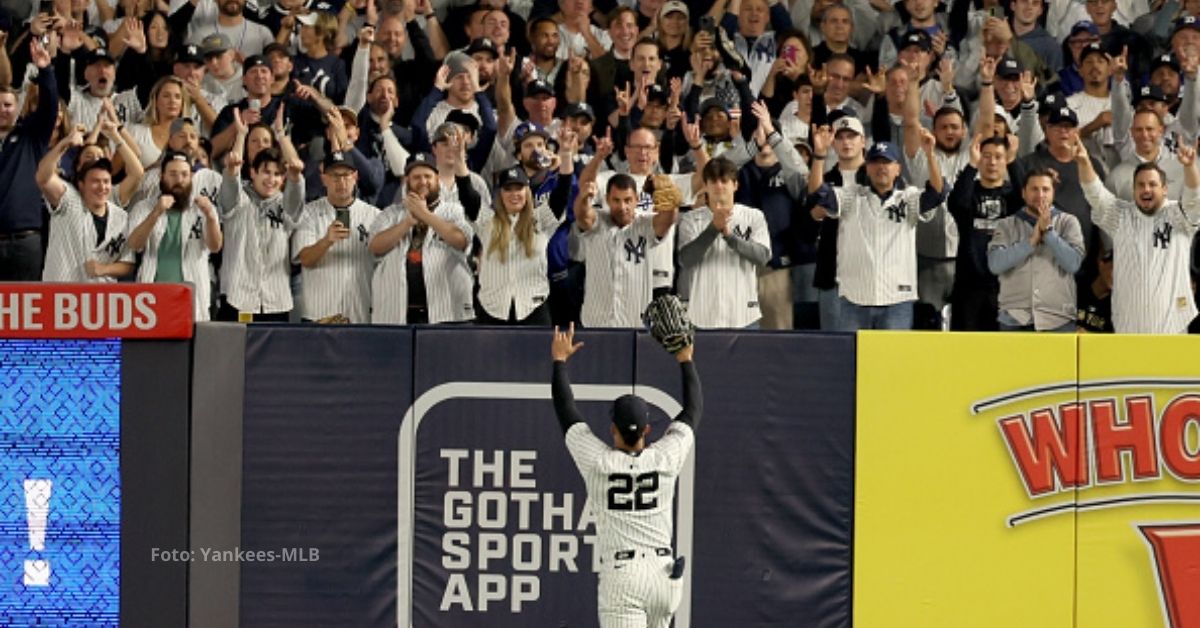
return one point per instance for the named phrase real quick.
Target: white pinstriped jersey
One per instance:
(663, 261)
(632, 496)
(722, 291)
(85, 108)
(448, 279)
(193, 252)
(520, 281)
(619, 278)
(1087, 108)
(877, 244)
(73, 240)
(1152, 291)
(341, 282)
(256, 267)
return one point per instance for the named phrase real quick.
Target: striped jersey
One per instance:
(194, 252)
(256, 266)
(632, 496)
(205, 181)
(518, 281)
(446, 270)
(663, 261)
(722, 291)
(85, 108)
(1152, 291)
(877, 253)
(341, 282)
(619, 279)
(73, 240)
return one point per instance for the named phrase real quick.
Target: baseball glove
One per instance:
(665, 196)
(668, 322)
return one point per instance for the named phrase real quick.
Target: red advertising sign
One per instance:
(56, 310)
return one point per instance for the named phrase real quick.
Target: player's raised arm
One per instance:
(693, 398)
(561, 349)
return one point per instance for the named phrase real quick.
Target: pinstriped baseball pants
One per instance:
(638, 593)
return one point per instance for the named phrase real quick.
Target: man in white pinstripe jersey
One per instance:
(331, 246)
(1152, 238)
(631, 489)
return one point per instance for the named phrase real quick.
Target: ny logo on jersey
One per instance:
(197, 228)
(897, 212)
(210, 194)
(1162, 236)
(742, 232)
(362, 233)
(275, 217)
(645, 202)
(113, 247)
(635, 252)
(776, 181)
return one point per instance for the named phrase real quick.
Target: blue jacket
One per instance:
(20, 152)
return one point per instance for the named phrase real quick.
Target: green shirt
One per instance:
(170, 251)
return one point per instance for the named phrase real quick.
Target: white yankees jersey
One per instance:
(663, 261)
(341, 282)
(193, 252)
(1087, 108)
(619, 279)
(85, 107)
(256, 266)
(1152, 291)
(631, 495)
(519, 281)
(722, 291)
(442, 109)
(73, 240)
(448, 279)
(877, 252)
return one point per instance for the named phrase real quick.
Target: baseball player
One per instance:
(331, 246)
(631, 489)
(1152, 239)
(615, 245)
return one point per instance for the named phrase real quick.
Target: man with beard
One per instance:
(331, 245)
(25, 142)
(100, 72)
(1036, 252)
(1093, 105)
(1152, 240)
(421, 242)
(1148, 147)
(977, 205)
(545, 40)
(184, 138)
(177, 231)
(205, 17)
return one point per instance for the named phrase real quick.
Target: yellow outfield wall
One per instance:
(1027, 480)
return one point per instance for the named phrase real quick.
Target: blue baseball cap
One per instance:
(884, 150)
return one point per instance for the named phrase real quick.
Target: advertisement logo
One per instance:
(1115, 449)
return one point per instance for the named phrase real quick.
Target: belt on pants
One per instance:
(628, 554)
(20, 235)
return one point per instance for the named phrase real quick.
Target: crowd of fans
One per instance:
(808, 164)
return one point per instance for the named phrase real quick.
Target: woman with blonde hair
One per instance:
(168, 100)
(513, 287)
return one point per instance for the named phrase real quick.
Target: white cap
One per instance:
(849, 123)
(674, 5)
(307, 19)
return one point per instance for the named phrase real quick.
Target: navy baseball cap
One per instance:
(884, 150)
(1187, 21)
(99, 54)
(538, 87)
(189, 53)
(1009, 68)
(1063, 115)
(513, 176)
(1150, 92)
(254, 61)
(658, 93)
(631, 415)
(1165, 60)
(1092, 49)
(175, 155)
(917, 38)
(337, 159)
(712, 103)
(463, 118)
(1083, 26)
(580, 110)
(482, 44)
(527, 130)
(1050, 102)
(420, 160)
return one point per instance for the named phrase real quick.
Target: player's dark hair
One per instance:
(1150, 165)
(1040, 172)
(266, 156)
(948, 111)
(620, 181)
(720, 169)
(995, 140)
(648, 41)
